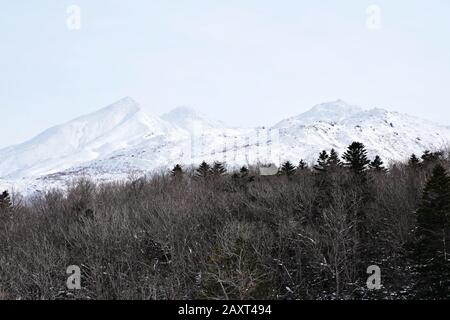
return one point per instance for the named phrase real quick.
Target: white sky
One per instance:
(245, 62)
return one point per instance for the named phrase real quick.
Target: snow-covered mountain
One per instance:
(192, 121)
(122, 139)
(86, 138)
(392, 135)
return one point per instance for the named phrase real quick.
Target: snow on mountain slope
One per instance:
(86, 138)
(192, 138)
(193, 122)
(329, 112)
(121, 139)
(391, 135)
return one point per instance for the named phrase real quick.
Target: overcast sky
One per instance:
(246, 62)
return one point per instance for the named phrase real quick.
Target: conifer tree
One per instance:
(355, 158)
(333, 161)
(242, 178)
(414, 161)
(218, 169)
(324, 182)
(287, 169)
(377, 165)
(203, 171)
(431, 157)
(433, 237)
(177, 171)
(302, 165)
(427, 155)
(322, 162)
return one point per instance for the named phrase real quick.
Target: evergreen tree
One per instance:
(356, 158)
(302, 165)
(177, 171)
(431, 157)
(242, 178)
(433, 237)
(325, 182)
(377, 165)
(218, 169)
(427, 155)
(287, 169)
(203, 171)
(322, 162)
(333, 161)
(5, 201)
(414, 161)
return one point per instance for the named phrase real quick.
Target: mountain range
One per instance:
(122, 140)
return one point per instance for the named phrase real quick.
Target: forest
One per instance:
(307, 233)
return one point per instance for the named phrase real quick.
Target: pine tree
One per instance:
(242, 178)
(177, 171)
(287, 169)
(414, 161)
(427, 155)
(431, 157)
(377, 165)
(433, 237)
(218, 169)
(322, 162)
(302, 165)
(356, 158)
(333, 161)
(325, 182)
(203, 171)
(5, 201)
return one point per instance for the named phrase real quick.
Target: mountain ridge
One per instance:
(123, 138)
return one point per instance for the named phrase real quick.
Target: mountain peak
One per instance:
(189, 119)
(338, 106)
(122, 137)
(125, 105)
(334, 111)
(183, 111)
